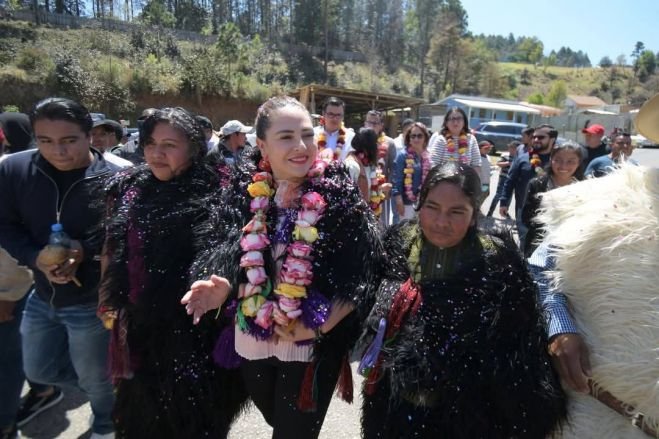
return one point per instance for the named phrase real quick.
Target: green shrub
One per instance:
(34, 60)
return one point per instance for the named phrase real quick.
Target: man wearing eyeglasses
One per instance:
(331, 135)
(621, 149)
(524, 168)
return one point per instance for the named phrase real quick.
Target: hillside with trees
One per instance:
(251, 49)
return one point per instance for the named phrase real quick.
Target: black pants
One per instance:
(274, 387)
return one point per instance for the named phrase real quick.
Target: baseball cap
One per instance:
(235, 126)
(113, 125)
(595, 129)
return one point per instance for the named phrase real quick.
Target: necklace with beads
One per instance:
(536, 164)
(376, 179)
(463, 146)
(340, 143)
(408, 172)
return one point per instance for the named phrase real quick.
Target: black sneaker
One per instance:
(34, 404)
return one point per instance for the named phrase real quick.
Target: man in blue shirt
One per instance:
(566, 346)
(621, 149)
(523, 170)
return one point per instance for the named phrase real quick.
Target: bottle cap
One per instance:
(56, 228)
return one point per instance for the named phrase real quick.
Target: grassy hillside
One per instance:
(115, 72)
(613, 85)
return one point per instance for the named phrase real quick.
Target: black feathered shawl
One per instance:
(167, 382)
(346, 255)
(472, 361)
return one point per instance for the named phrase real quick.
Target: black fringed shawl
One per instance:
(168, 385)
(346, 254)
(472, 361)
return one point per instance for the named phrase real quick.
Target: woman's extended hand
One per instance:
(205, 295)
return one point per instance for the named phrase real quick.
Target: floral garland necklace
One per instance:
(408, 172)
(536, 164)
(376, 177)
(260, 306)
(463, 146)
(340, 143)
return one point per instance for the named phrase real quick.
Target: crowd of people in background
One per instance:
(200, 269)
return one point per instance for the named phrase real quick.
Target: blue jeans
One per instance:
(69, 347)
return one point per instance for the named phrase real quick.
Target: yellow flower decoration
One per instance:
(292, 291)
(251, 305)
(259, 189)
(308, 234)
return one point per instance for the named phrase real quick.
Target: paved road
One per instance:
(70, 419)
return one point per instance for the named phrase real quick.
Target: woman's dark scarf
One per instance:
(469, 358)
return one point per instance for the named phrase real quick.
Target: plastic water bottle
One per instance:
(58, 237)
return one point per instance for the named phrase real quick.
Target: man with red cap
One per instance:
(594, 146)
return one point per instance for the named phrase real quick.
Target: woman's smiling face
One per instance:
(289, 144)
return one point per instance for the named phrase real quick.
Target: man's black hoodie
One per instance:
(30, 203)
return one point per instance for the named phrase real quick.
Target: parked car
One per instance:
(499, 133)
(639, 141)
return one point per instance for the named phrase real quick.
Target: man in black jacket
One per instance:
(64, 343)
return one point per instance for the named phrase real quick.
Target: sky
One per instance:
(598, 28)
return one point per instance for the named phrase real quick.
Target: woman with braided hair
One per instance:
(457, 344)
(168, 385)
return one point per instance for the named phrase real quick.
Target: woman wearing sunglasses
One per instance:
(410, 168)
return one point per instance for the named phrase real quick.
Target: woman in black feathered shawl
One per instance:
(167, 383)
(463, 347)
(293, 394)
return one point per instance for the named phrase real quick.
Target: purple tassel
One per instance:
(315, 310)
(224, 352)
(258, 332)
(373, 352)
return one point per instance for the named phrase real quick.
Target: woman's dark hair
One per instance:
(182, 120)
(424, 131)
(269, 107)
(465, 128)
(62, 109)
(366, 142)
(572, 147)
(463, 176)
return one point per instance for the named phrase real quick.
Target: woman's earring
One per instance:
(264, 165)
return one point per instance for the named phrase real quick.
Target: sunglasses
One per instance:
(455, 119)
(539, 137)
(416, 136)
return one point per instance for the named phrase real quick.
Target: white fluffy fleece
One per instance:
(607, 230)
